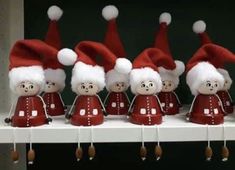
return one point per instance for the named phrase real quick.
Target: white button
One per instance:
(82, 112)
(163, 104)
(34, 113)
(142, 111)
(114, 104)
(121, 104)
(21, 113)
(52, 106)
(153, 111)
(216, 111)
(171, 105)
(95, 112)
(227, 103)
(206, 111)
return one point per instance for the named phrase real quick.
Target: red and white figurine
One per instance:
(88, 78)
(224, 92)
(116, 102)
(27, 80)
(145, 81)
(54, 73)
(170, 78)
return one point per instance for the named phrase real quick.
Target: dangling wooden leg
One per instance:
(31, 152)
(158, 149)
(14, 152)
(79, 151)
(225, 150)
(91, 149)
(208, 151)
(143, 150)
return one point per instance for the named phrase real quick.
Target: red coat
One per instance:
(117, 103)
(88, 111)
(54, 104)
(29, 112)
(146, 110)
(170, 102)
(226, 101)
(206, 109)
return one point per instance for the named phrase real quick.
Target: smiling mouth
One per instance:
(147, 89)
(26, 91)
(211, 89)
(86, 91)
(49, 86)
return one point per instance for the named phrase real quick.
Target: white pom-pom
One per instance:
(54, 13)
(165, 17)
(123, 65)
(67, 56)
(110, 12)
(180, 67)
(199, 27)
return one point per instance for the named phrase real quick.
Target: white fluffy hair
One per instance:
(113, 76)
(34, 74)
(83, 73)
(226, 75)
(57, 76)
(142, 74)
(200, 73)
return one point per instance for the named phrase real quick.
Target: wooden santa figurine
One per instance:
(199, 28)
(116, 102)
(170, 78)
(88, 78)
(145, 82)
(54, 73)
(224, 94)
(27, 80)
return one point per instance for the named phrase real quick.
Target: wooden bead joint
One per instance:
(31, 156)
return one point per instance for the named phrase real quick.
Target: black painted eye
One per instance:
(53, 84)
(163, 83)
(47, 82)
(226, 82)
(117, 84)
(22, 86)
(90, 86)
(122, 84)
(31, 86)
(83, 87)
(216, 84)
(169, 84)
(142, 85)
(208, 84)
(150, 84)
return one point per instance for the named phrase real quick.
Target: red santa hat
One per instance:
(161, 42)
(113, 42)
(89, 68)
(53, 68)
(202, 66)
(145, 67)
(26, 62)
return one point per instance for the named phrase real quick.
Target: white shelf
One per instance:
(118, 129)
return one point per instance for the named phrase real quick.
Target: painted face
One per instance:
(227, 85)
(146, 88)
(118, 87)
(209, 87)
(167, 86)
(87, 89)
(51, 87)
(27, 89)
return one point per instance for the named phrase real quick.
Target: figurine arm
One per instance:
(68, 115)
(177, 98)
(131, 105)
(160, 104)
(127, 97)
(45, 110)
(191, 107)
(106, 98)
(220, 103)
(61, 98)
(102, 105)
(8, 118)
